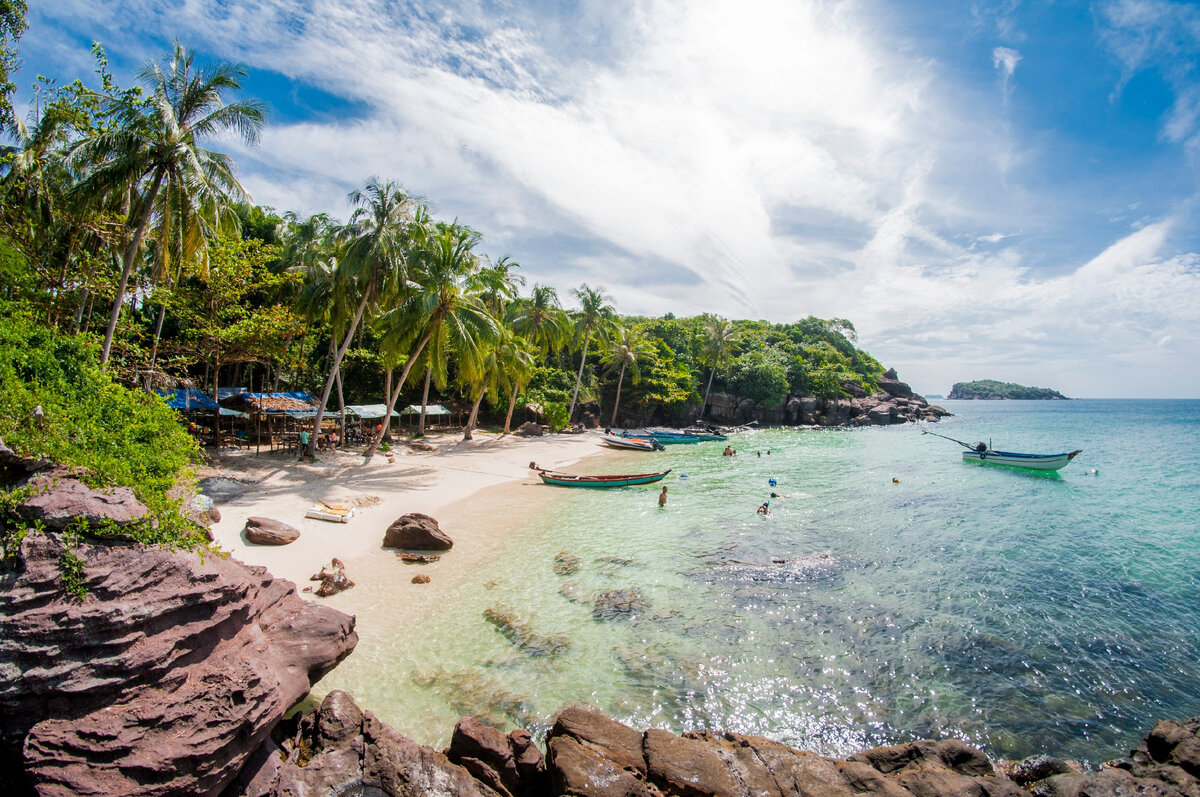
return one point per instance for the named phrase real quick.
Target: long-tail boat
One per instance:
(573, 480)
(638, 443)
(985, 455)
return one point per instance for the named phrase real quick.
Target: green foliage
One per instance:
(760, 375)
(122, 436)
(991, 389)
(549, 385)
(71, 571)
(556, 416)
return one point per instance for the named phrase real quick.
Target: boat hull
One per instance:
(666, 438)
(635, 443)
(1015, 460)
(629, 480)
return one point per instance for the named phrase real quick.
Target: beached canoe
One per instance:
(627, 480)
(638, 443)
(1015, 460)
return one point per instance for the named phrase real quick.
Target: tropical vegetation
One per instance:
(127, 237)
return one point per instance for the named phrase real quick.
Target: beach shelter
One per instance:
(188, 400)
(431, 411)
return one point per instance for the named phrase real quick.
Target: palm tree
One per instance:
(499, 284)
(595, 317)
(627, 350)
(372, 264)
(161, 146)
(507, 365)
(541, 319)
(516, 359)
(443, 311)
(719, 335)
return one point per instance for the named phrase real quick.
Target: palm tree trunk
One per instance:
(617, 403)
(387, 392)
(704, 406)
(578, 379)
(474, 415)
(83, 300)
(341, 407)
(424, 401)
(127, 266)
(512, 402)
(395, 396)
(337, 361)
(162, 314)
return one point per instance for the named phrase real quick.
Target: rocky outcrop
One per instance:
(507, 763)
(59, 498)
(591, 754)
(341, 749)
(268, 531)
(530, 429)
(163, 679)
(333, 579)
(893, 403)
(416, 532)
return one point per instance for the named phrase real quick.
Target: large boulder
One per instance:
(59, 498)
(163, 679)
(530, 429)
(268, 531)
(416, 532)
(508, 763)
(340, 749)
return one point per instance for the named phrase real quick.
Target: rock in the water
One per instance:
(164, 680)
(343, 750)
(1040, 767)
(60, 500)
(267, 531)
(509, 764)
(417, 558)
(618, 604)
(416, 532)
(333, 579)
(565, 563)
(420, 579)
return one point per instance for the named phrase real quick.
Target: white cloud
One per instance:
(773, 159)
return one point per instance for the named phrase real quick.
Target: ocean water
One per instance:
(917, 595)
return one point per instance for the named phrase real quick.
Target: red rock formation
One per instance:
(164, 679)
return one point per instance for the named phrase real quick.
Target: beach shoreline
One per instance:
(445, 483)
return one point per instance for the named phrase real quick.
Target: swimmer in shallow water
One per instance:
(765, 509)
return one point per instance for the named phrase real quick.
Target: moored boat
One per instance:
(623, 480)
(664, 437)
(638, 443)
(983, 454)
(1015, 460)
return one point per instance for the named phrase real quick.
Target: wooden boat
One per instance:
(666, 438)
(639, 443)
(1015, 460)
(627, 480)
(983, 454)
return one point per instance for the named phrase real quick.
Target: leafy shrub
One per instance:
(122, 436)
(556, 416)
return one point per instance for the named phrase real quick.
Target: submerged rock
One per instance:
(565, 563)
(416, 532)
(333, 579)
(164, 679)
(618, 604)
(520, 634)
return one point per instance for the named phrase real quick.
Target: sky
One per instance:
(987, 190)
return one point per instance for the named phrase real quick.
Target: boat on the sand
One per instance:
(1015, 460)
(638, 443)
(620, 480)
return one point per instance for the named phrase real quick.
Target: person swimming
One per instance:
(765, 509)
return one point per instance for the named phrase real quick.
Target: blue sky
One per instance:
(999, 190)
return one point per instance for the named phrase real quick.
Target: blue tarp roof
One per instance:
(188, 400)
(299, 395)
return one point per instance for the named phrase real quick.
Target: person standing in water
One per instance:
(662, 497)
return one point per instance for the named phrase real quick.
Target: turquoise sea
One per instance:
(1021, 612)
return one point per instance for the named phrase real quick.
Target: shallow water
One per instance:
(1018, 611)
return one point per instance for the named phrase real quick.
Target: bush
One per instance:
(122, 436)
(556, 416)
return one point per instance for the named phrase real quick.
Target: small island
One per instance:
(990, 389)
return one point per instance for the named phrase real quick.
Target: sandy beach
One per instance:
(447, 483)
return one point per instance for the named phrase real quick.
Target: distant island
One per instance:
(991, 389)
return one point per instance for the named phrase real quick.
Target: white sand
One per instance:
(444, 483)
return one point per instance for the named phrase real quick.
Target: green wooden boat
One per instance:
(626, 480)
